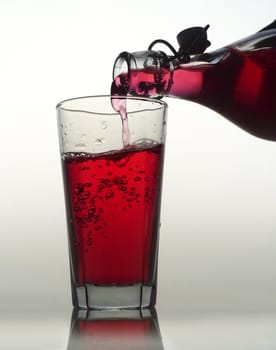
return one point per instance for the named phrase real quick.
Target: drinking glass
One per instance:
(112, 172)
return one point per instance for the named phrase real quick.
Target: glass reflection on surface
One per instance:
(114, 330)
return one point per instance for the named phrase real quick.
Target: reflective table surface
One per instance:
(134, 329)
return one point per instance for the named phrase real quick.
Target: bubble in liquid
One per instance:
(100, 188)
(117, 180)
(84, 195)
(109, 195)
(92, 202)
(91, 212)
(147, 190)
(122, 188)
(106, 182)
(137, 178)
(95, 219)
(122, 161)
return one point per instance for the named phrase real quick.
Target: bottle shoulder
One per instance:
(264, 40)
(259, 40)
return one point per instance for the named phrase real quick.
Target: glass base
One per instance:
(91, 296)
(116, 315)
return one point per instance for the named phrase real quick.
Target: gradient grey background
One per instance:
(218, 238)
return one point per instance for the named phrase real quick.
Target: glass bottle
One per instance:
(238, 81)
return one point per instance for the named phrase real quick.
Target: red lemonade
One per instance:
(113, 204)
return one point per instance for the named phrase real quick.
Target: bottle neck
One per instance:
(145, 73)
(154, 74)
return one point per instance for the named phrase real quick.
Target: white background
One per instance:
(218, 238)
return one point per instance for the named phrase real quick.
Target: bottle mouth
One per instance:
(122, 64)
(156, 74)
(121, 73)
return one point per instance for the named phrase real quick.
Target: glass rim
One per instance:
(61, 105)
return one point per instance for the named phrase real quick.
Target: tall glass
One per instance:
(112, 194)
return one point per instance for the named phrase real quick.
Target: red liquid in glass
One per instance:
(113, 200)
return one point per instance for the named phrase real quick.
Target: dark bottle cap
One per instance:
(193, 41)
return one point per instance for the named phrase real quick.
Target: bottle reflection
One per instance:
(115, 330)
